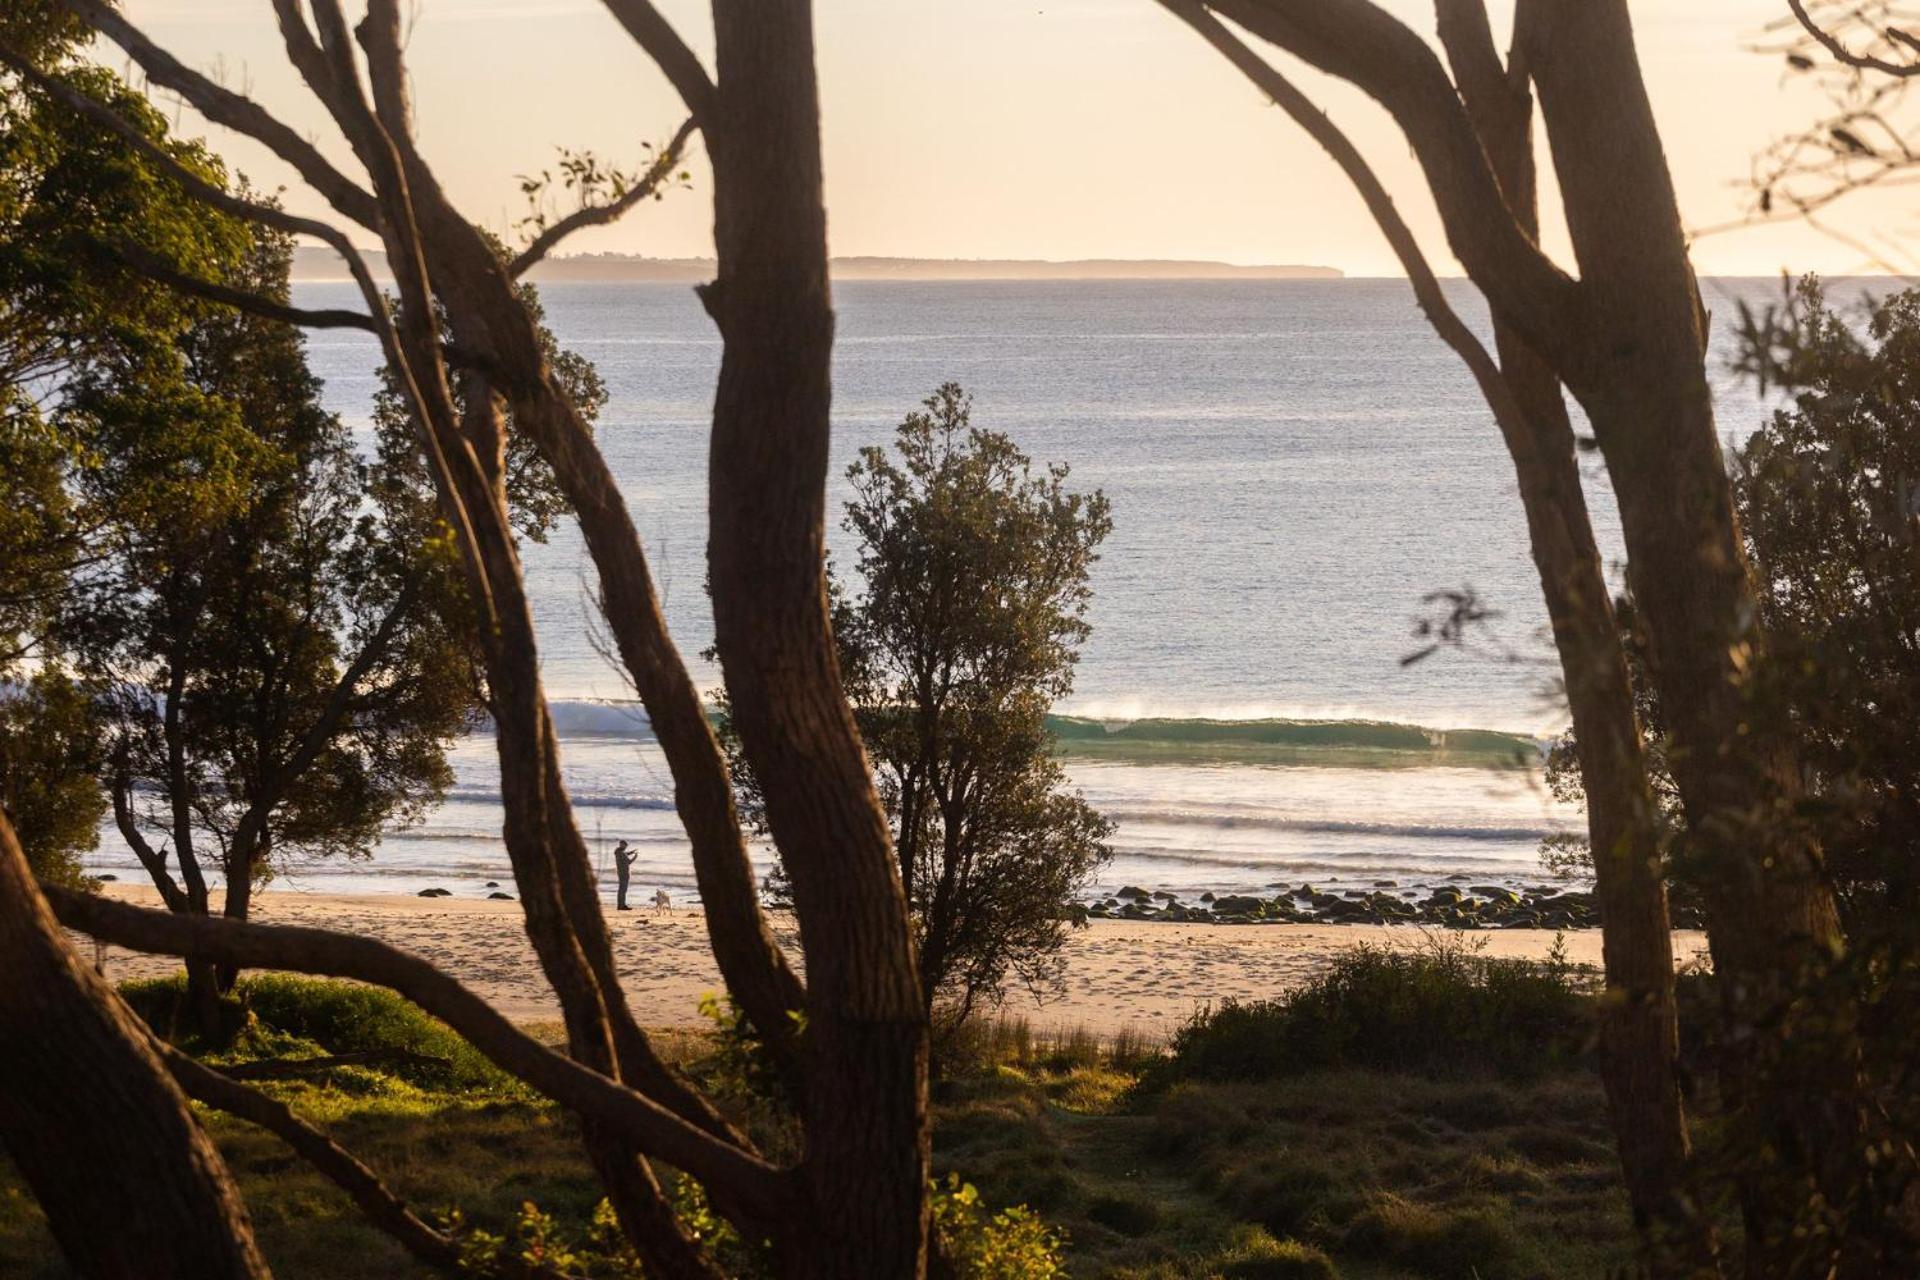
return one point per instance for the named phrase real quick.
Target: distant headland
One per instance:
(315, 264)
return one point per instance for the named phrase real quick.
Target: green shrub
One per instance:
(1012, 1244)
(307, 1017)
(1445, 1010)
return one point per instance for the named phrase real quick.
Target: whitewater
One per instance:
(1295, 468)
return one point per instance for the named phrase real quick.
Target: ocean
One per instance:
(1295, 467)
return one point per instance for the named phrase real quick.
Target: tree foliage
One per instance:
(285, 675)
(973, 574)
(73, 200)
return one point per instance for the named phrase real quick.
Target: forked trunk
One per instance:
(1639, 1027)
(130, 1184)
(1641, 376)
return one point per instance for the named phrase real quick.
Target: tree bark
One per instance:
(130, 1184)
(1639, 1034)
(1772, 917)
(867, 1163)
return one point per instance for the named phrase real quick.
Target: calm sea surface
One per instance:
(1293, 467)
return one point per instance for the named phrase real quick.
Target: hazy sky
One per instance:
(1011, 128)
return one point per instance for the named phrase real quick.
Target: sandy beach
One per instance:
(1120, 973)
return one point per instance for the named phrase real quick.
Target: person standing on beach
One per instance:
(623, 860)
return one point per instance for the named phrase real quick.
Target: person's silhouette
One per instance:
(623, 860)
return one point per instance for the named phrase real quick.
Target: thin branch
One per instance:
(156, 269)
(747, 1179)
(380, 1206)
(653, 33)
(1377, 53)
(601, 214)
(1864, 61)
(1426, 287)
(224, 107)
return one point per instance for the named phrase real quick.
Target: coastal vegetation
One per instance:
(956, 637)
(1451, 1126)
(230, 623)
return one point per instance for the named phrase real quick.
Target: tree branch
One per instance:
(653, 33)
(1358, 42)
(377, 1204)
(750, 1180)
(156, 269)
(224, 107)
(1426, 287)
(1863, 61)
(601, 214)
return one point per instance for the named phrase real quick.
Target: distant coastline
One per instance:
(318, 264)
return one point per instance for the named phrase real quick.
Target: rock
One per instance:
(1353, 893)
(1238, 904)
(1386, 884)
(493, 884)
(1206, 897)
(1133, 891)
(501, 897)
(1163, 896)
(435, 893)
(1445, 896)
(109, 878)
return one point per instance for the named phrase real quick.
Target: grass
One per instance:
(1236, 1156)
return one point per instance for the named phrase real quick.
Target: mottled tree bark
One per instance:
(131, 1185)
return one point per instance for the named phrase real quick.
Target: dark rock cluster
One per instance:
(1472, 906)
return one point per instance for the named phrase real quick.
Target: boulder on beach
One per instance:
(1134, 891)
(435, 893)
(501, 897)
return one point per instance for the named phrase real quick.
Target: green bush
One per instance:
(1445, 1010)
(295, 1017)
(1012, 1244)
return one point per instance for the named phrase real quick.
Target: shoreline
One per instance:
(1140, 975)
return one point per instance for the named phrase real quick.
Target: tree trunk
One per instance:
(1639, 1029)
(1641, 377)
(867, 1162)
(129, 1182)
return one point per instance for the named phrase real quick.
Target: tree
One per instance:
(857, 1202)
(973, 575)
(282, 682)
(1829, 495)
(73, 198)
(49, 773)
(1825, 494)
(1627, 338)
(1639, 1032)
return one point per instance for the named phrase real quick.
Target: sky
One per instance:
(1015, 128)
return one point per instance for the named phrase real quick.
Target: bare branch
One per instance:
(1426, 287)
(1865, 61)
(380, 1206)
(1360, 43)
(155, 268)
(653, 33)
(601, 214)
(223, 106)
(643, 1121)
